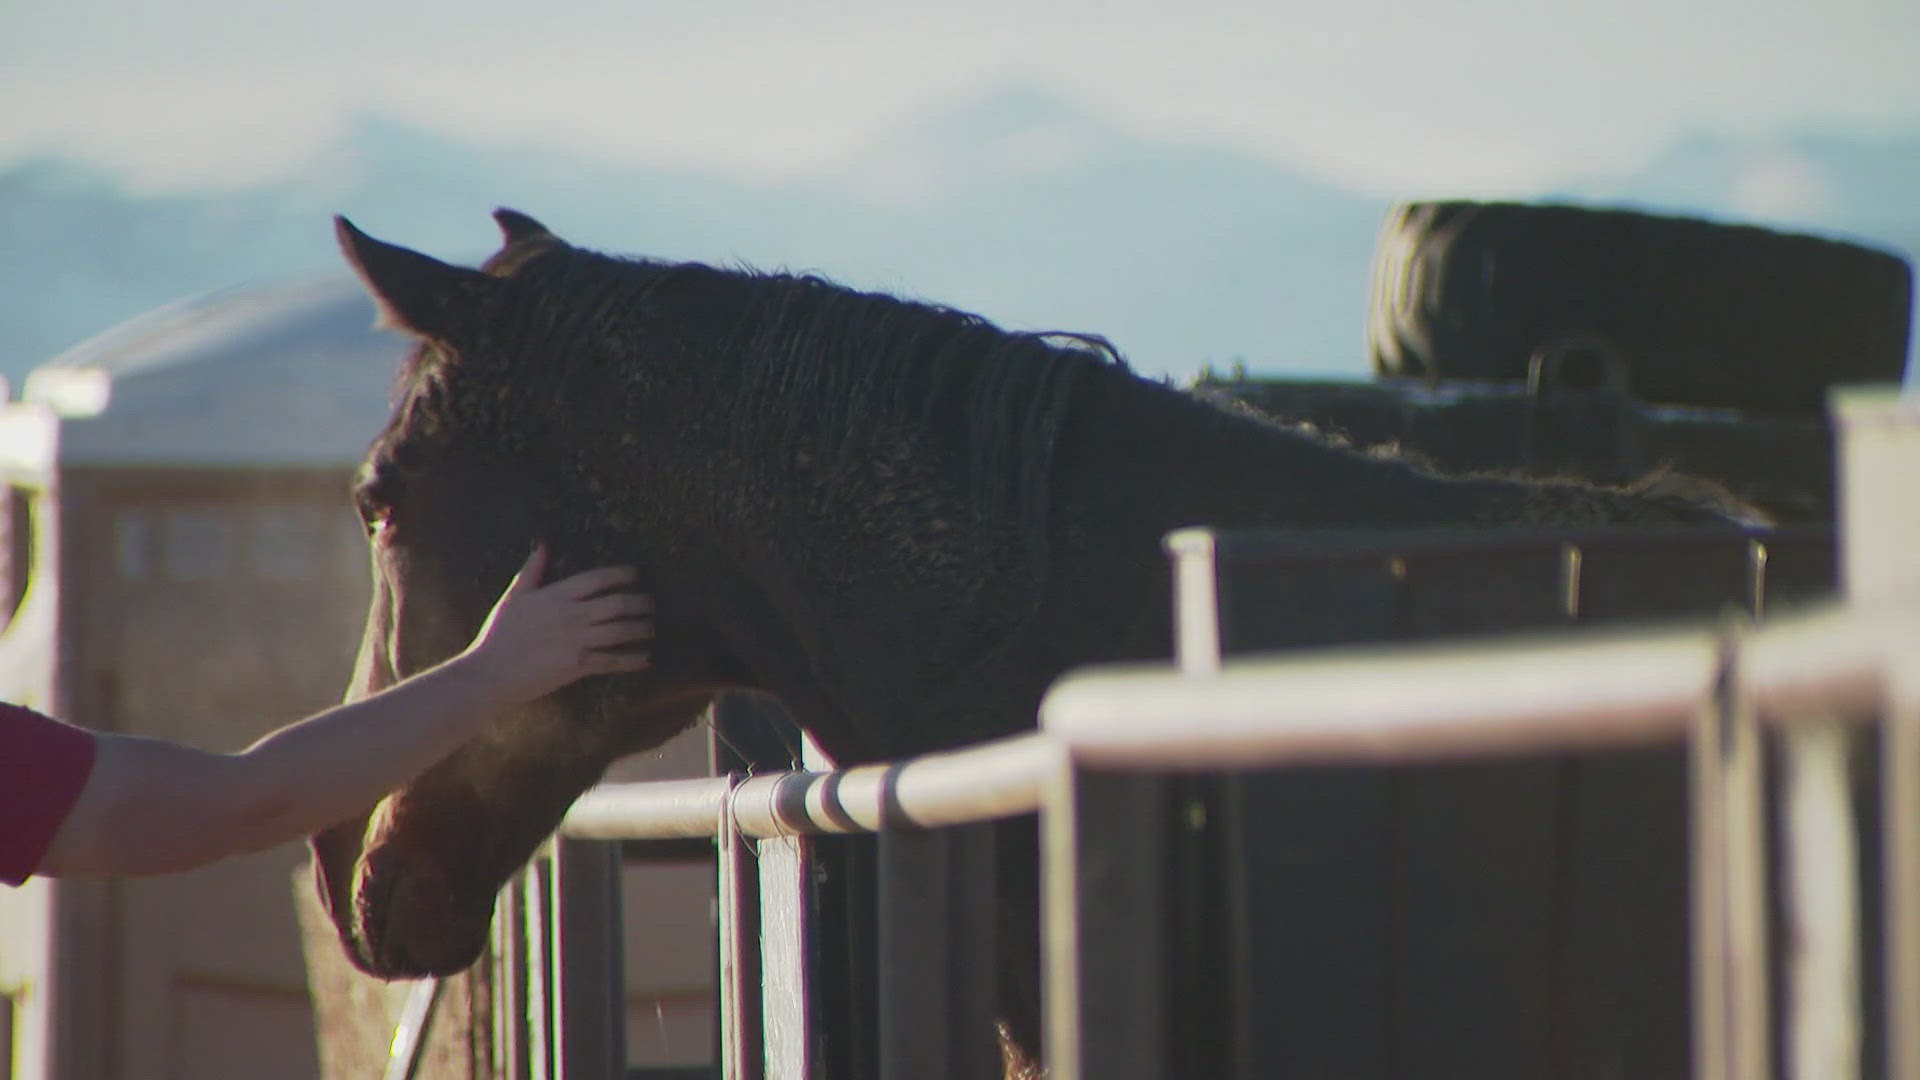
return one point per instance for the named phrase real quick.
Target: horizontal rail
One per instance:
(649, 810)
(993, 780)
(1391, 704)
(1427, 703)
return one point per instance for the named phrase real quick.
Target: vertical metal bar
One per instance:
(1731, 1036)
(1571, 583)
(1207, 994)
(510, 1049)
(1879, 434)
(742, 1041)
(1196, 600)
(1060, 975)
(1708, 787)
(1879, 442)
(974, 927)
(845, 996)
(1900, 784)
(539, 1002)
(1823, 903)
(937, 953)
(589, 989)
(1750, 977)
(786, 924)
(1103, 840)
(916, 955)
(500, 981)
(410, 1033)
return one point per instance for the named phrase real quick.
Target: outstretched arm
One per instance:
(151, 806)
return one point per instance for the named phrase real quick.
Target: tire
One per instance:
(1701, 314)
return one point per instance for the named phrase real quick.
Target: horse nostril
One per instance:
(372, 901)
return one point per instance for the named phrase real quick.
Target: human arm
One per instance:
(152, 806)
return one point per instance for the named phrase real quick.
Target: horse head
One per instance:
(471, 470)
(838, 497)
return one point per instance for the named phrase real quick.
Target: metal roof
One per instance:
(287, 373)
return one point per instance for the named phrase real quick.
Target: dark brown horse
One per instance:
(898, 518)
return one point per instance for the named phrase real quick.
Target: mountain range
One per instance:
(1018, 205)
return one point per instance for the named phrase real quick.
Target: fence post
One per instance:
(1821, 890)
(1879, 432)
(786, 926)
(1879, 436)
(1208, 997)
(1732, 1038)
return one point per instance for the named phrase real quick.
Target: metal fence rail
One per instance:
(993, 780)
(1432, 702)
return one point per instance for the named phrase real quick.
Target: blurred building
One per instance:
(179, 558)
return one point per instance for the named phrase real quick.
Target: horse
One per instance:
(896, 517)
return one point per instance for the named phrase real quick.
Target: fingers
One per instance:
(620, 632)
(588, 582)
(531, 572)
(602, 619)
(613, 606)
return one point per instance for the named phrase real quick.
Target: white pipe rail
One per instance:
(993, 780)
(650, 810)
(1397, 704)
(1409, 704)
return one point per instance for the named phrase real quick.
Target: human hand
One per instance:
(539, 638)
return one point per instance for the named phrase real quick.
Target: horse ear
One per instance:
(518, 228)
(525, 239)
(414, 292)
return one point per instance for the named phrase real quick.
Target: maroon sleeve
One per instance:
(43, 765)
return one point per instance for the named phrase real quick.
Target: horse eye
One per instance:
(373, 496)
(373, 512)
(372, 522)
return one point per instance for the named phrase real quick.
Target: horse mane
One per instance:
(847, 371)
(801, 362)
(802, 369)
(854, 376)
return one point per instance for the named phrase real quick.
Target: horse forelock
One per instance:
(521, 360)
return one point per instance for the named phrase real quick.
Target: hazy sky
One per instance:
(1480, 96)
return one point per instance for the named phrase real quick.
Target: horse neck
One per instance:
(1168, 461)
(1180, 461)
